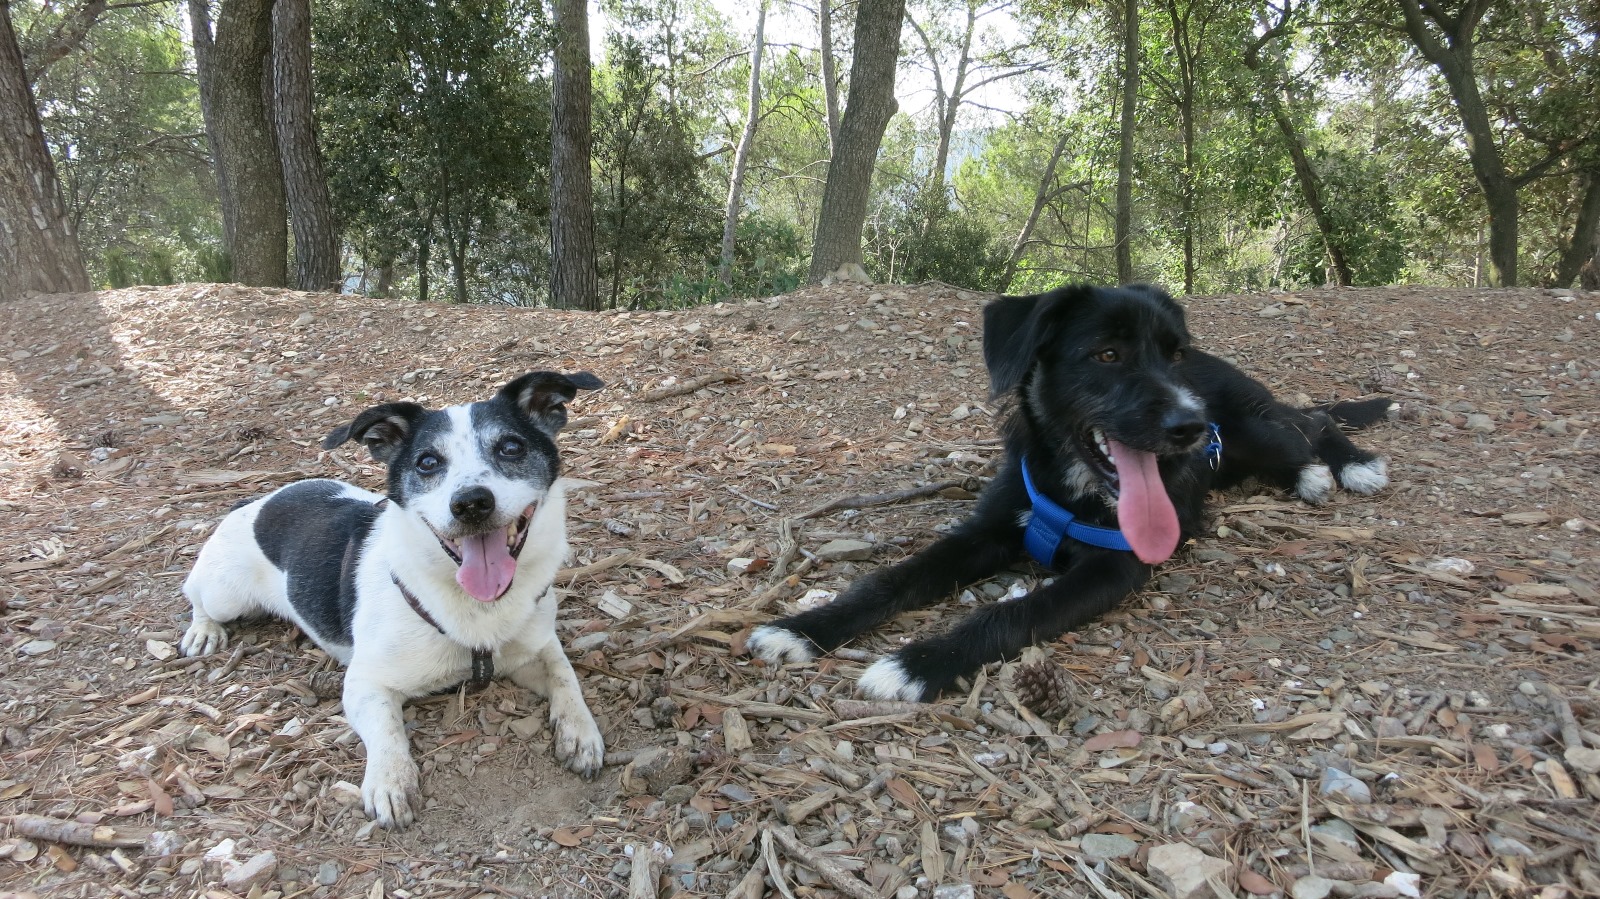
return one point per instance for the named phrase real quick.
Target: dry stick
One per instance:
(622, 558)
(689, 386)
(647, 864)
(1571, 733)
(769, 595)
(71, 832)
(878, 499)
(750, 886)
(830, 870)
(774, 867)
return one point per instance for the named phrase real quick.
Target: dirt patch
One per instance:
(1434, 643)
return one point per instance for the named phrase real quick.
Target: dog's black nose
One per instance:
(472, 504)
(1183, 427)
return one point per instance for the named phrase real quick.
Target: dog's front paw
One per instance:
(778, 645)
(888, 678)
(579, 747)
(390, 792)
(1365, 478)
(203, 638)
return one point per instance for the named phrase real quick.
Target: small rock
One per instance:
(909, 891)
(1584, 759)
(305, 318)
(1479, 422)
(1409, 885)
(1504, 845)
(328, 873)
(345, 793)
(527, 727)
(736, 793)
(37, 647)
(1338, 785)
(844, 551)
(1099, 847)
(162, 843)
(655, 769)
(1312, 887)
(1183, 870)
(590, 641)
(954, 891)
(1339, 831)
(252, 873)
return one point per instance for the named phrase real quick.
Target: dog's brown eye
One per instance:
(1179, 355)
(1107, 356)
(511, 447)
(428, 463)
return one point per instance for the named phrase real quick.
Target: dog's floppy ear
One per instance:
(1012, 329)
(382, 428)
(543, 395)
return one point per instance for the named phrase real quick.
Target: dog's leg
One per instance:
(205, 635)
(578, 744)
(977, 550)
(390, 788)
(1357, 470)
(1086, 590)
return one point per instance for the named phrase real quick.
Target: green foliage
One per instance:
(122, 119)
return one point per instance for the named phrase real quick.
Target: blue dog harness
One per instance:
(1050, 525)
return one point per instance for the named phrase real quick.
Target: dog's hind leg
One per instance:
(1088, 589)
(977, 549)
(578, 742)
(1357, 470)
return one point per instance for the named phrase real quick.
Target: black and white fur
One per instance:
(326, 555)
(1083, 366)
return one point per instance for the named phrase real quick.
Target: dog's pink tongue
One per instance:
(486, 566)
(1144, 512)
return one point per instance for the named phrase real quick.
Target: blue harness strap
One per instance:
(1050, 525)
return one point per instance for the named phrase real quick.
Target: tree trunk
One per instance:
(200, 30)
(741, 159)
(249, 175)
(385, 279)
(316, 237)
(1184, 51)
(1311, 187)
(830, 76)
(1123, 216)
(1453, 59)
(1041, 198)
(574, 279)
(1585, 238)
(38, 247)
(67, 36)
(867, 112)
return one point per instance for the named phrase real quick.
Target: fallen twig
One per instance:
(878, 499)
(828, 869)
(647, 864)
(689, 386)
(73, 833)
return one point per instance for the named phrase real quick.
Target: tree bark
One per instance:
(1453, 58)
(1184, 50)
(574, 277)
(868, 108)
(1585, 240)
(38, 246)
(211, 118)
(249, 175)
(316, 236)
(1123, 215)
(67, 36)
(741, 159)
(830, 75)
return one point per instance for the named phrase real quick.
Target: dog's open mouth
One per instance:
(488, 561)
(1144, 511)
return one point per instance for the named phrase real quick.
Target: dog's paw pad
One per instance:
(1365, 478)
(887, 678)
(1315, 484)
(779, 646)
(579, 747)
(203, 638)
(388, 793)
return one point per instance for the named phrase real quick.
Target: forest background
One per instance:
(672, 153)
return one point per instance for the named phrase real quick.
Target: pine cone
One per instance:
(1045, 688)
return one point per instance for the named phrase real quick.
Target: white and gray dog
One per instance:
(444, 580)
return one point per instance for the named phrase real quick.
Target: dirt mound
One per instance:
(1434, 642)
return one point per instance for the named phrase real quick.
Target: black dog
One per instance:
(1119, 430)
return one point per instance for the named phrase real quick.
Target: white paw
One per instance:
(390, 792)
(887, 679)
(1365, 478)
(203, 638)
(1316, 483)
(579, 747)
(779, 646)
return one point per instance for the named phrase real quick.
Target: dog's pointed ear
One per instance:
(1012, 329)
(381, 428)
(543, 395)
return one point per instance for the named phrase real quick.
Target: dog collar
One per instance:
(482, 659)
(1050, 525)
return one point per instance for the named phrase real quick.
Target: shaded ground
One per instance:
(1435, 642)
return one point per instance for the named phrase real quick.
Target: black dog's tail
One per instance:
(1358, 414)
